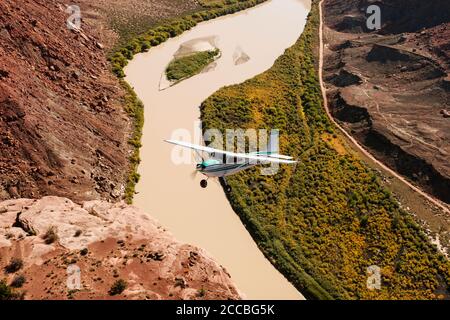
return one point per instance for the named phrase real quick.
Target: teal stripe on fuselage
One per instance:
(223, 167)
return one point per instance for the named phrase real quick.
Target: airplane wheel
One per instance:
(203, 184)
(228, 189)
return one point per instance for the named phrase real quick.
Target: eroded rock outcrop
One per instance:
(389, 87)
(106, 242)
(63, 128)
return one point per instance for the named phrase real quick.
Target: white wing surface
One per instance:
(277, 159)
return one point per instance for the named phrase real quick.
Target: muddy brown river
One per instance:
(250, 42)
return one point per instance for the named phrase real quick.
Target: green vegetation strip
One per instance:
(153, 37)
(187, 66)
(323, 222)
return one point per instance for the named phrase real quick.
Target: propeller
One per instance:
(201, 160)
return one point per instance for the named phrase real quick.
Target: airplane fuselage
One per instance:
(224, 169)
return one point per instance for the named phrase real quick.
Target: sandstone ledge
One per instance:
(107, 242)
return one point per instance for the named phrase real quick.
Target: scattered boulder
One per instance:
(346, 78)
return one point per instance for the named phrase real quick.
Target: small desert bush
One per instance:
(118, 287)
(201, 292)
(18, 281)
(7, 293)
(50, 235)
(14, 265)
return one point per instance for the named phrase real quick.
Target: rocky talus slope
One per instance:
(390, 87)
(64, 133)
(107, 242)
(63, 127)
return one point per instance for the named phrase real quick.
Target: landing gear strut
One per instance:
(227, 187)
(203, 184)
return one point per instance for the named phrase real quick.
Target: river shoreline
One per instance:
(204, 217)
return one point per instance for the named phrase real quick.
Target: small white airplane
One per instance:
(219, 169)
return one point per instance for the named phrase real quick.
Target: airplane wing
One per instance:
(278, 159)
(272, 155)
(279, 156)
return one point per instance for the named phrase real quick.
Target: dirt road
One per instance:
(351, 139)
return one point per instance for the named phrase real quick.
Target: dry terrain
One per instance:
(63, 128)
(107, 242)
(390, 88)
(118, 20)
(64, 133)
